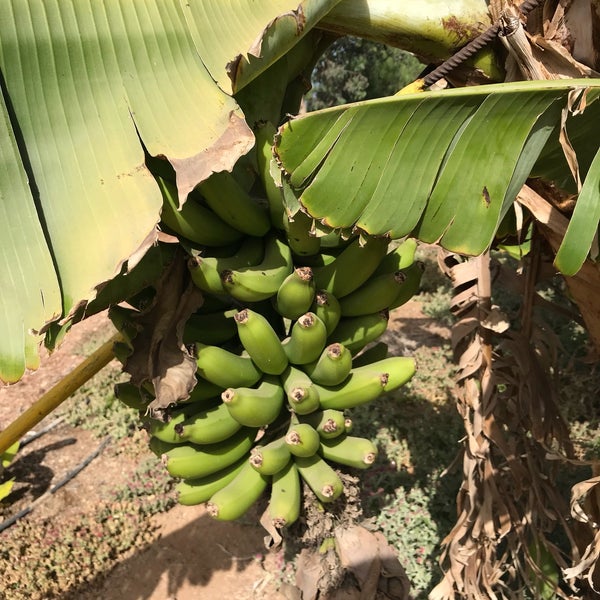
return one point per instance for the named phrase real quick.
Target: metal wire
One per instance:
(472, 47)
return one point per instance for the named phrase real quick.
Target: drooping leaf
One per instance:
(29, 294)
(442, 166)
(583, 225)
(239, 39)
(85, 83)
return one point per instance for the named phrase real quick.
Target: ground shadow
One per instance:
(190, 556)
(32, 478)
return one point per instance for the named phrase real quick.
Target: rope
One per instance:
(472, 47)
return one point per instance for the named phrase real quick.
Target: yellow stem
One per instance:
(56, 395)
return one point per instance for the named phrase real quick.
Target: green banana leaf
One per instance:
(88, 89)
(441, 166)
(239, 39)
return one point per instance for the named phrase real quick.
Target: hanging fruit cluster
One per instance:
(282, 344)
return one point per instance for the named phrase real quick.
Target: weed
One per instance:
(95, 408)
(42, 560)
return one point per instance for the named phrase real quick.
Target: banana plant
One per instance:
(113, 113)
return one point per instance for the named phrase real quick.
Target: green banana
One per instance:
(398, 259)
(209, 426)
(332, 367)
(132, 395)
(302, 439)
(255, 407)
(328, 423)
(286, 496)
(348, 425)
(260, 281)
(194, 221)
(411, 285)
(228, 200)
(356, 332)
(270, 458)
(398, 369)
(296, 293)
(362, 386)
(302, 395)
(306, 340)
(203, 393)
(377, 293)
(264, 135)
(376, 352)
(206, 270)
(327, 307)
(196, 491)
(236, 498)
(224, 368)
(301, 239)
(213, 328)
(356, 452)
(261, 341)
(191, 461)
(353, 266)
(320, 477)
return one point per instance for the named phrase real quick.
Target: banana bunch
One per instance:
(285, 344)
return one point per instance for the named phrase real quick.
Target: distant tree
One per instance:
(354, 69)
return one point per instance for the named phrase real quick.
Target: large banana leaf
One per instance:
(239, 39)
(87, 88)
(442, 166)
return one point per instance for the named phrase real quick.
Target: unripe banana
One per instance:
(255, 407)
(354, 265)
(203, 394)
(224, 368)
(270, 458)
(132, 395)
(376, 352)
(264, 134)
(399, 370)
(194, 221)
(332, 367)
(296, 293)
(226, 197)
(286, 496)
(196, 491)
(356, 332)
(327, 307)
(261, 281)
(328, 423)
(360, 387)
(213, 328)
(302, 439)
(411, 284)
(165, 431)
(320, 477)
(356, 452)
(260, 341)
(398, 259)
(348, 425)
(206, 270)
(190, 461)
(236, 498)
(215, 424)
(301, 239)
(302, 395)
(377, 293)
(306, 340)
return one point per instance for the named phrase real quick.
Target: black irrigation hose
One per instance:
(472, 47)
(70, 475)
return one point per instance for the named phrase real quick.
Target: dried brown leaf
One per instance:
(159, 354)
